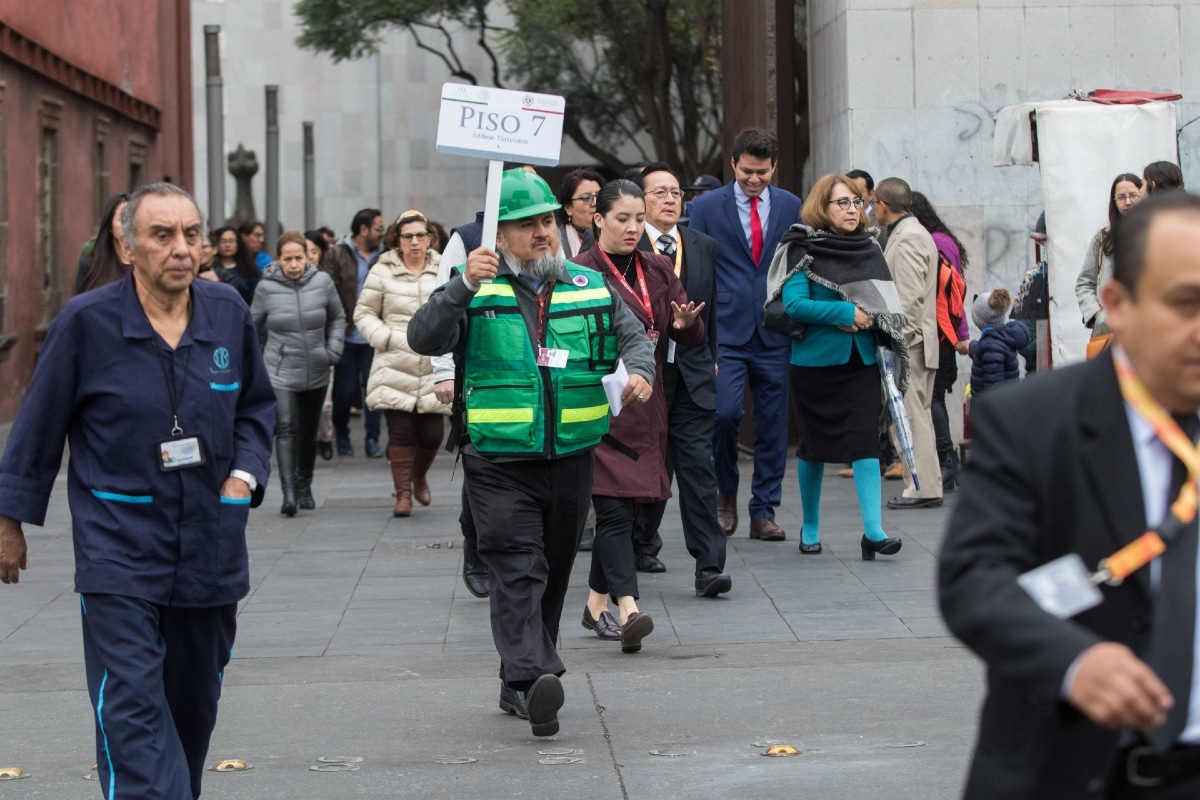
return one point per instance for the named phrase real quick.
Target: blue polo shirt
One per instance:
(165, 537)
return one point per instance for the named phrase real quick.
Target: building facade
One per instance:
(95, 98)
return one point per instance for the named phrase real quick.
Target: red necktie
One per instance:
(756, 238)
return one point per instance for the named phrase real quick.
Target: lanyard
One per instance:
(543, 301)
(645, 295)
(1152, 544)
(163, 358)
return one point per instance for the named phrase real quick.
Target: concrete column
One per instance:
(216, 126)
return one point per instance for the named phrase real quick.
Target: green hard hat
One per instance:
(524, 195)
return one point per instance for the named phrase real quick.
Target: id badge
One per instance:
(552, 357)
(1062, 587)
(181, 452)
(653, 336)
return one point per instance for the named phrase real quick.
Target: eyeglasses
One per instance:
(377, 228)
(588, 199)
(1133, 196)
(662, 194)
(844, 203)
(412, 237)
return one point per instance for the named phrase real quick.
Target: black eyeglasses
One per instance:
(844, 203)
(412, 237)
(588, 198)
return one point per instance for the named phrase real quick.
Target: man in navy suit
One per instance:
(748, 217)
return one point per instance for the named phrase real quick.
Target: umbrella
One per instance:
(895, 404)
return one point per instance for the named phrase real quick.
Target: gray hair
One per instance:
(129, 212)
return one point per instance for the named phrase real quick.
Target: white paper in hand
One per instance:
(614, 386)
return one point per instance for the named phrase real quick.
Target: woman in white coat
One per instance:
(401, 382)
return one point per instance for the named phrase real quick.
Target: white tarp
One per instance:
(1081, 147)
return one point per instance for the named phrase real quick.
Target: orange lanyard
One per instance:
(1151, 544)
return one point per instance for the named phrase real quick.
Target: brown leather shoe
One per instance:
(727, 513)
(637, 627)
(767, 530)
(895, 472)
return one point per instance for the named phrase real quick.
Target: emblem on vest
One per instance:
(580, 280)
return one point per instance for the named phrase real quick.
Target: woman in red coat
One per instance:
(624, 489)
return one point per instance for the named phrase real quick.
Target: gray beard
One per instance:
(541, 269)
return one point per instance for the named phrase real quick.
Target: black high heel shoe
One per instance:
(888, 547)
(810, 549)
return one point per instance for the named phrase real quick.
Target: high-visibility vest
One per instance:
(513, 406)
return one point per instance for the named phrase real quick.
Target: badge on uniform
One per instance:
(580, 280)
(180, 452)
(552, 357)
(653, 336)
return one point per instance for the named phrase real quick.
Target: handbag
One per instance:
(1098, 344)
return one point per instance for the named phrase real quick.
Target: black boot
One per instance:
(949, 471)
(285, 455)
(475, 572)
(304, 495)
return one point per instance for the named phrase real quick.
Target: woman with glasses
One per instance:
(838, 292)
(577, 194)
(234, 264)
(1097, 269)
(401, 381)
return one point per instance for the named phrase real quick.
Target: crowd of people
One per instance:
(598, 352)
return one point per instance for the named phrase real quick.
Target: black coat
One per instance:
(1052, 471)
(699, 280)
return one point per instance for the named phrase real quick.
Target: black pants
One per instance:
(349, 387)
(529, 516)
(943, 384)
(613, 567)
(689, 452)
(154, 676)
(297, 415)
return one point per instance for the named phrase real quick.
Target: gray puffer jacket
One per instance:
(305, 327)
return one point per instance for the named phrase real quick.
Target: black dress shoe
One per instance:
(542, 702)
(888, 547)
(637, 627)
(606, 627)
(710, 583)
(475, 573)
(902, 503)
(810, 549)
(645, 563)
(326, 450)
(512, 701)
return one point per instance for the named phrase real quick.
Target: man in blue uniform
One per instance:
(158, 385)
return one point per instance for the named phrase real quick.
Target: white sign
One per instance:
(500, 125)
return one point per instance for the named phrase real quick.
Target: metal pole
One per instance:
(216, 126)
(272, 220)
(310, 180)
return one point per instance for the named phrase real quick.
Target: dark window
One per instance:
(49, 221)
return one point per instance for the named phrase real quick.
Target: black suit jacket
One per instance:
(1052, 471)
(699, 280)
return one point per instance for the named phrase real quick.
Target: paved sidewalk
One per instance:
(359, 639)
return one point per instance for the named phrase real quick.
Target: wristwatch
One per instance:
(250, 480)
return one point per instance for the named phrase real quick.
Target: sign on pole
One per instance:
(499, 125)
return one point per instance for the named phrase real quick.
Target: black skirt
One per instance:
(838, 410)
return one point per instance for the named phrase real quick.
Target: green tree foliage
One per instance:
(639, 73)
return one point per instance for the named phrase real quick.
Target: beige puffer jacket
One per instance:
(400, 379)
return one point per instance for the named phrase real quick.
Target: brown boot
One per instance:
(421, 461)
(401, 459)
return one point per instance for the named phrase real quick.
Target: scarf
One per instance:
(852, 266)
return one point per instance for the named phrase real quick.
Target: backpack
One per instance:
(952, 292)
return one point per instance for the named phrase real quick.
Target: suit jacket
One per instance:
(742, 284)
(913, 259)
(698, 276)
(1052, 471)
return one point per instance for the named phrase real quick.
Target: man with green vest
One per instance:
(532, 335)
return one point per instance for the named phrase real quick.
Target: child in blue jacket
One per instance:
(994, 353)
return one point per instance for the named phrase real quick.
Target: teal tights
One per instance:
(866, 484)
